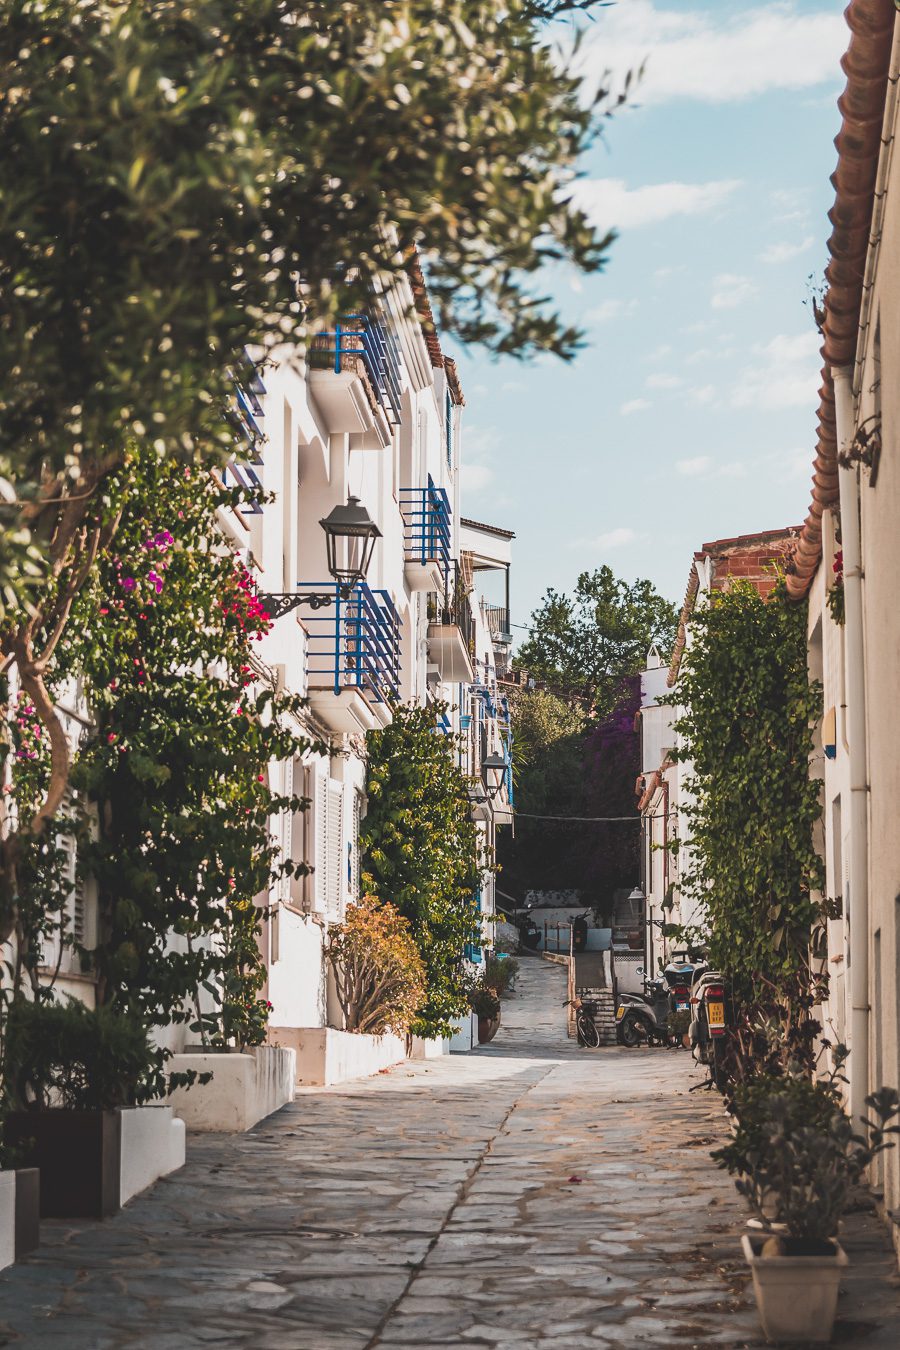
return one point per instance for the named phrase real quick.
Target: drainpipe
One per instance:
(854, 650)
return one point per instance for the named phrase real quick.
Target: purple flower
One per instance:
(156, 580)
(128, 584)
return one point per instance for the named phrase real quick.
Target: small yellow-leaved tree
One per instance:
(377, 968)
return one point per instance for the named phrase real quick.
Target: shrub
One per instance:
(483, 1000)
(500, 973)
(795, 1152)
(68, 1055)
(377, 968)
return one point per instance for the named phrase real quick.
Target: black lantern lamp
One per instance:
(350, 534)
(493, 768)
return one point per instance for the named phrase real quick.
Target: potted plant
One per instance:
(797, 1158)
(69, 1071)
(486, 1006)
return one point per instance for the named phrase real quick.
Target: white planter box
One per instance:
(326, 1055)
(152, 1143)
(434, 1049)
(465, 1035)
(7, 1219)
(244, 1088)
(796, 1295)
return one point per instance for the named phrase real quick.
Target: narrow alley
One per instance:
(530, 1194)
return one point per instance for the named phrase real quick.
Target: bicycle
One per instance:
(585, 1025)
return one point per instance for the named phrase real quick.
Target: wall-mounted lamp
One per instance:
(493, 769)
(350, 534)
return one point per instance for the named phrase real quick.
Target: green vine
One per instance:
(170, 784)
(420, 852)
(748, 709)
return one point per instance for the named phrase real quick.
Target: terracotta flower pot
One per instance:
(796, 1295)
(487, 1028)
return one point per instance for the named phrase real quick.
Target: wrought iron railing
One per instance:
(496, 618)
(452, 607)
(362, 337)
(355, 642)
(427, 525)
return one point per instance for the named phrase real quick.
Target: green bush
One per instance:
(500, 973)
(68, 1055)
(796, 1155)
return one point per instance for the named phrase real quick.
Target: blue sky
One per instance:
(691, 415)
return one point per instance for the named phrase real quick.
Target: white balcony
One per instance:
(449, 650)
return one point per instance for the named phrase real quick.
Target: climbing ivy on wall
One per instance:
(746, 729)
(420, 852)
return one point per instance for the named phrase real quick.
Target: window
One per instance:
(448, 421)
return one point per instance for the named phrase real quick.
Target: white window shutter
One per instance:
(287, 821)
(354, 843)
(335, 852)
(320, 853)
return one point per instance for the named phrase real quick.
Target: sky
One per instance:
(690, 416)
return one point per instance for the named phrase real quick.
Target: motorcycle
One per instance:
(644, 1017)
(709, 1025)
(679, 976)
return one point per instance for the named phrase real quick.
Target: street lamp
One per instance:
(493, 769)
(350, 534)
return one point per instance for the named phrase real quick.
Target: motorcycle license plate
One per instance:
(620, 1013)
(682, 1007)
(716, 1014)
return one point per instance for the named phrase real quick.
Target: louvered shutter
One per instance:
(334, 845)
(354, 844)
(287, 820)
(320, 853)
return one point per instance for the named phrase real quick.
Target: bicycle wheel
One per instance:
(588, 1035)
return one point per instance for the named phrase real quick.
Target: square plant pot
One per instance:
(28, 1210)
(78, 1155)
(796, 1295)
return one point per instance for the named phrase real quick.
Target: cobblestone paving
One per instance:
(529, 1195)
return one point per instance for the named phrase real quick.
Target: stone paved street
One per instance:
(531, 1194)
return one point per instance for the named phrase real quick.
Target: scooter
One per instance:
(709, 1025)
(643, 1017)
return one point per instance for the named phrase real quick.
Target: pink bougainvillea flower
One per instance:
(112, 738)
(128, 584)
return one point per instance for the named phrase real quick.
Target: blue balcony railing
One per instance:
(246, 418)
(362, 337)
(426, 518)
(354, 643)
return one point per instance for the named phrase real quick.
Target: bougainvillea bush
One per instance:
(169, 789)
(379, 975)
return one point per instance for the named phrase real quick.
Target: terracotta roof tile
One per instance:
(866, 64)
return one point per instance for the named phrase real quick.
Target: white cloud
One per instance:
(784, 374)
(703, 466)
(610, 309)
(784, 252)
(692, 468)
(478, 446)
(663, 381)
(714, 57)
(633, 405)
(474, 478)
(702, 395)
(731, 290)
(659, 352)
(617, 538)
(610, 202)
